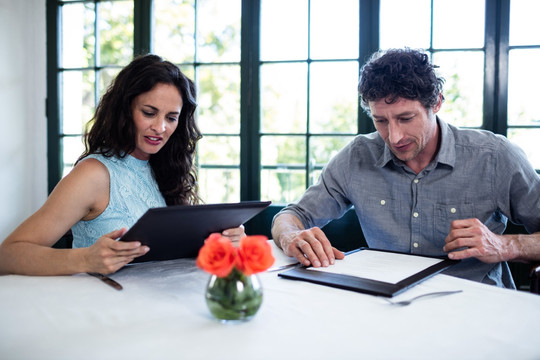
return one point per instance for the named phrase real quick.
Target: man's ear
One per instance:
(438, 105)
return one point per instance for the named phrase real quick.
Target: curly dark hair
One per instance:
(111, 131)
(400, 73)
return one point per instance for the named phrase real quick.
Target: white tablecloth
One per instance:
(162, 314)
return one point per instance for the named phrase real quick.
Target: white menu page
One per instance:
(379, 265)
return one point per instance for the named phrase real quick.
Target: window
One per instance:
(523, 78)
(277, 79)
(96, 40)
(308, 90)
(203, 38)
(457, 50)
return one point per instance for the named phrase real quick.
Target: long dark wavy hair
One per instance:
(400, 73)
(112, 132)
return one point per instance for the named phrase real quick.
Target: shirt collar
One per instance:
(447, 151)
(446, 154)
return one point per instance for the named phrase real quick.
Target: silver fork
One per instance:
(436, 293)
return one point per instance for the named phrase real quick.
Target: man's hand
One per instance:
(107, 255)
(310, 247)
(471, 238)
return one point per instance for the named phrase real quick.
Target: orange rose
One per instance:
(254, 254)
(217, 256)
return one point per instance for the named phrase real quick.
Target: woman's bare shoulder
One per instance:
(87, 175)
(90, 167)
(88, 183)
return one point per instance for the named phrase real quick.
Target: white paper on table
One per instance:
(280, 257)
(380, 265)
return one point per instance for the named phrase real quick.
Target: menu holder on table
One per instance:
(373, 271)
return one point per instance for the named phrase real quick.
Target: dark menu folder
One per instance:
(373, 271)
(175, 232)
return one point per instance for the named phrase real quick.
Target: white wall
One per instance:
(23, 124)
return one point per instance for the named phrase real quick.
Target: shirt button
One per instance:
(416, 181)
(383, 202)
(415, 244)
(453, 210)
(415, 214)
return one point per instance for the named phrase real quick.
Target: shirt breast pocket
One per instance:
(444, 214)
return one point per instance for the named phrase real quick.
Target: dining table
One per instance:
(161, 313)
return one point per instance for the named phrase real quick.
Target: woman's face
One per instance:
(155, 114)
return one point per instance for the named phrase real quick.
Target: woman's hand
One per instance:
(234, 234)
(107, 255)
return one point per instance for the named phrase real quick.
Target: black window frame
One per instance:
(496, 49)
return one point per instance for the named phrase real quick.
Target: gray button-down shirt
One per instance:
(476, 174)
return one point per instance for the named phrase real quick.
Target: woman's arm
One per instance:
(235, 234)
(82, 195)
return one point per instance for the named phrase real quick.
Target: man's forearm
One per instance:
(524, 247)
(285, 225)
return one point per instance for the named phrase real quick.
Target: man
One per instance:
(419, 185)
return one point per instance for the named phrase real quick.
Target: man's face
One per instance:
(408, 129)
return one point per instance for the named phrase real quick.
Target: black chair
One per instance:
(65, 242)
(526, 275)
(534, 276)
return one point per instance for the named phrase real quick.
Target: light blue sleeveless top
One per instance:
(133, 190)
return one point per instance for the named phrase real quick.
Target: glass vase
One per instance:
(234, 298)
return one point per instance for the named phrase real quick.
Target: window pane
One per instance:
(323, 148)
(282, 186)
(405, 23)
(77, 100)
(284, 29)
(174, 30)
(458, 24)
(524, 22)
(283, 150)
(523, 90)
(218, 30)
(334, 29)
(189, 71)
(463, 89)
(219, 99)
(219, 150)
(78, 39)
(333, 104)
(73, 148)
(527, 139)
(106, 76)
(314, 177)
(283, 98)
(115, 32)
(219, 185)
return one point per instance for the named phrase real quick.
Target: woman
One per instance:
(139, 154)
